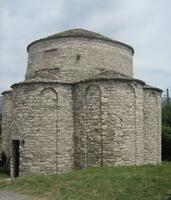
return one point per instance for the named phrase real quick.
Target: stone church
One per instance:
(79, 106)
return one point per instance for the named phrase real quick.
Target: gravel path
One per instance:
(13, 196)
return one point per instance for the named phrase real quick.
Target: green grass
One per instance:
(106, 183)
(3, 176)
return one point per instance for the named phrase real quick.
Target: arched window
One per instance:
(48, 139)
(93, 123)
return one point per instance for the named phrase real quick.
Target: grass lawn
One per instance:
(105, 183)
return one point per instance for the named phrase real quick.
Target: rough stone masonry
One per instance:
(80, 106)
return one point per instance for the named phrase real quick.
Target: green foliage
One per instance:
(166, 131)
(0, 123)
(166, 143)
(0, 129)
(166, 115)
(102, 183)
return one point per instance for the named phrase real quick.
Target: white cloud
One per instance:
(143, 24)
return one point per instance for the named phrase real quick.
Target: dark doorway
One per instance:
(16, 157)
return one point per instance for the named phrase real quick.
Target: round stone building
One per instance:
(80, 106)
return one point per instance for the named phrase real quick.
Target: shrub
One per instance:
(166, 143)
(166, 131)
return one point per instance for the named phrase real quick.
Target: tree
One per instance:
(0, 123)
(0, 128)
(166, 131)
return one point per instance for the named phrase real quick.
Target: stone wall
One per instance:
(64, 117)
(74, 59)
(108, 123)
(94, 123)
(7, 121)
(93, 126)
(45, 120)
(152, 126)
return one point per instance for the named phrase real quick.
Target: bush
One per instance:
(166, 131)
(166, 143)
(0, 128)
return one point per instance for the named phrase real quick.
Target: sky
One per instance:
(145, 25)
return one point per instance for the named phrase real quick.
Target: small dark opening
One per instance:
(16, 157)
(78, 57)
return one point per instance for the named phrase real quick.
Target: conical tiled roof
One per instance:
(110, 75)
(78, 33)
(81, 33)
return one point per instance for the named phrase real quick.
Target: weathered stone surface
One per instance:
(152, 127)
(75, 58)
(79, 106)
(7, 121)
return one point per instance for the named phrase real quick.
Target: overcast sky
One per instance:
(145, 25)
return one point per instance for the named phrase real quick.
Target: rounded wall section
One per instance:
(152, 126)
(45, 127)
(108, 123)
(73, 59)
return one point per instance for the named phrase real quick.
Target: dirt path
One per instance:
(4, 195)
